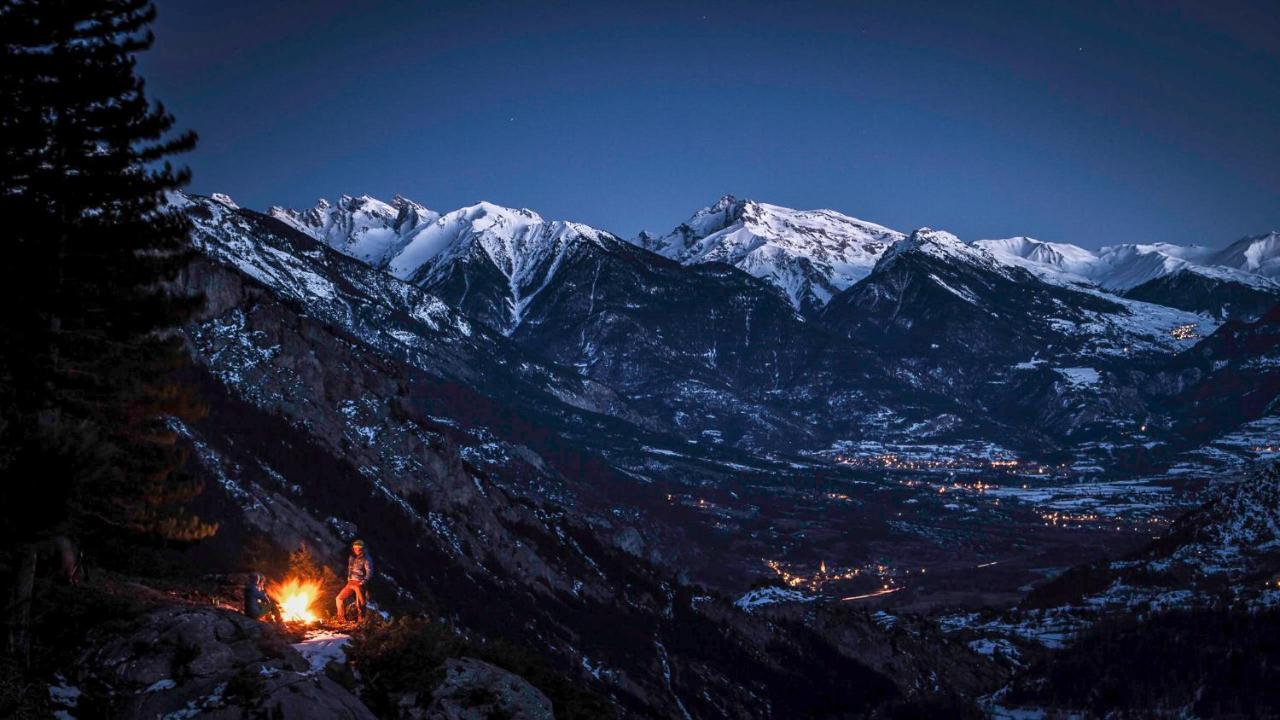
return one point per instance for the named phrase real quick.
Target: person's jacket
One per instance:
(257, 604)
(359, 568)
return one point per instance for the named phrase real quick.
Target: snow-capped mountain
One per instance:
(1115, 268)
(362, 227)
(810, 254)
(931, 289)
(1121, 267)
(1251, 261)
(509, 254)
(1227, 283)
(946, 314)
(1063, 258)
(1259, 254)
(386, 314)
(924, 321)
(944, 246)
(615, 313)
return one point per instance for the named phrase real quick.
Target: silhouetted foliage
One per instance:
(91, 256)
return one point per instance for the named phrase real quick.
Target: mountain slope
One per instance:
(1048, 360)
(810, 254)
(1231, 377)
(1223, 284)
(1203, 592)
(1217, 294)
(933, 292)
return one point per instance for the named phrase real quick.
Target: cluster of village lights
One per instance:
(824, 575)
(891, 461)
(1055, 518)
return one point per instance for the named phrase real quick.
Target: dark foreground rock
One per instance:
(183, 661)
(475, 690)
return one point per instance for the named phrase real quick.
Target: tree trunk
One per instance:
(20, 614)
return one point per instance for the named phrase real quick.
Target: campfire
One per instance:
(295, 598)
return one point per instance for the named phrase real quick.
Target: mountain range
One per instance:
(850, 320)
(598, 433)
(810, 255)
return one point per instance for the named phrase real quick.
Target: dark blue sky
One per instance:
(1068, 121)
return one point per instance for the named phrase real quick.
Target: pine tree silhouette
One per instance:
(90, 311)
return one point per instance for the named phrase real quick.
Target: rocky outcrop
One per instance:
(475, 690)
(183, 661)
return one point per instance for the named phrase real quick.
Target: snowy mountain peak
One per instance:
(1258, 254)
(498, 214)
(363, 227)
(424, 247)
(810, 254)
(938, 244)
(725, 202)
(400, 201)
(367, 202)
(225, 200)
(1120, 268)
(1031, 254)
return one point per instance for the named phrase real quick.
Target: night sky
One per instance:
(1067, 121)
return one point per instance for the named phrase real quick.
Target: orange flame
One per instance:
(295, 597)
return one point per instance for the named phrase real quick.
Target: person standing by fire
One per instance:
(359, 570)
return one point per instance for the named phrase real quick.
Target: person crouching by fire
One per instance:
(359, 570)
(257, 603)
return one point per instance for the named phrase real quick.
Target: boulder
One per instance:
(184, 661)
(475, 690)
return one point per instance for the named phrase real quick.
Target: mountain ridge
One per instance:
(810, 255)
